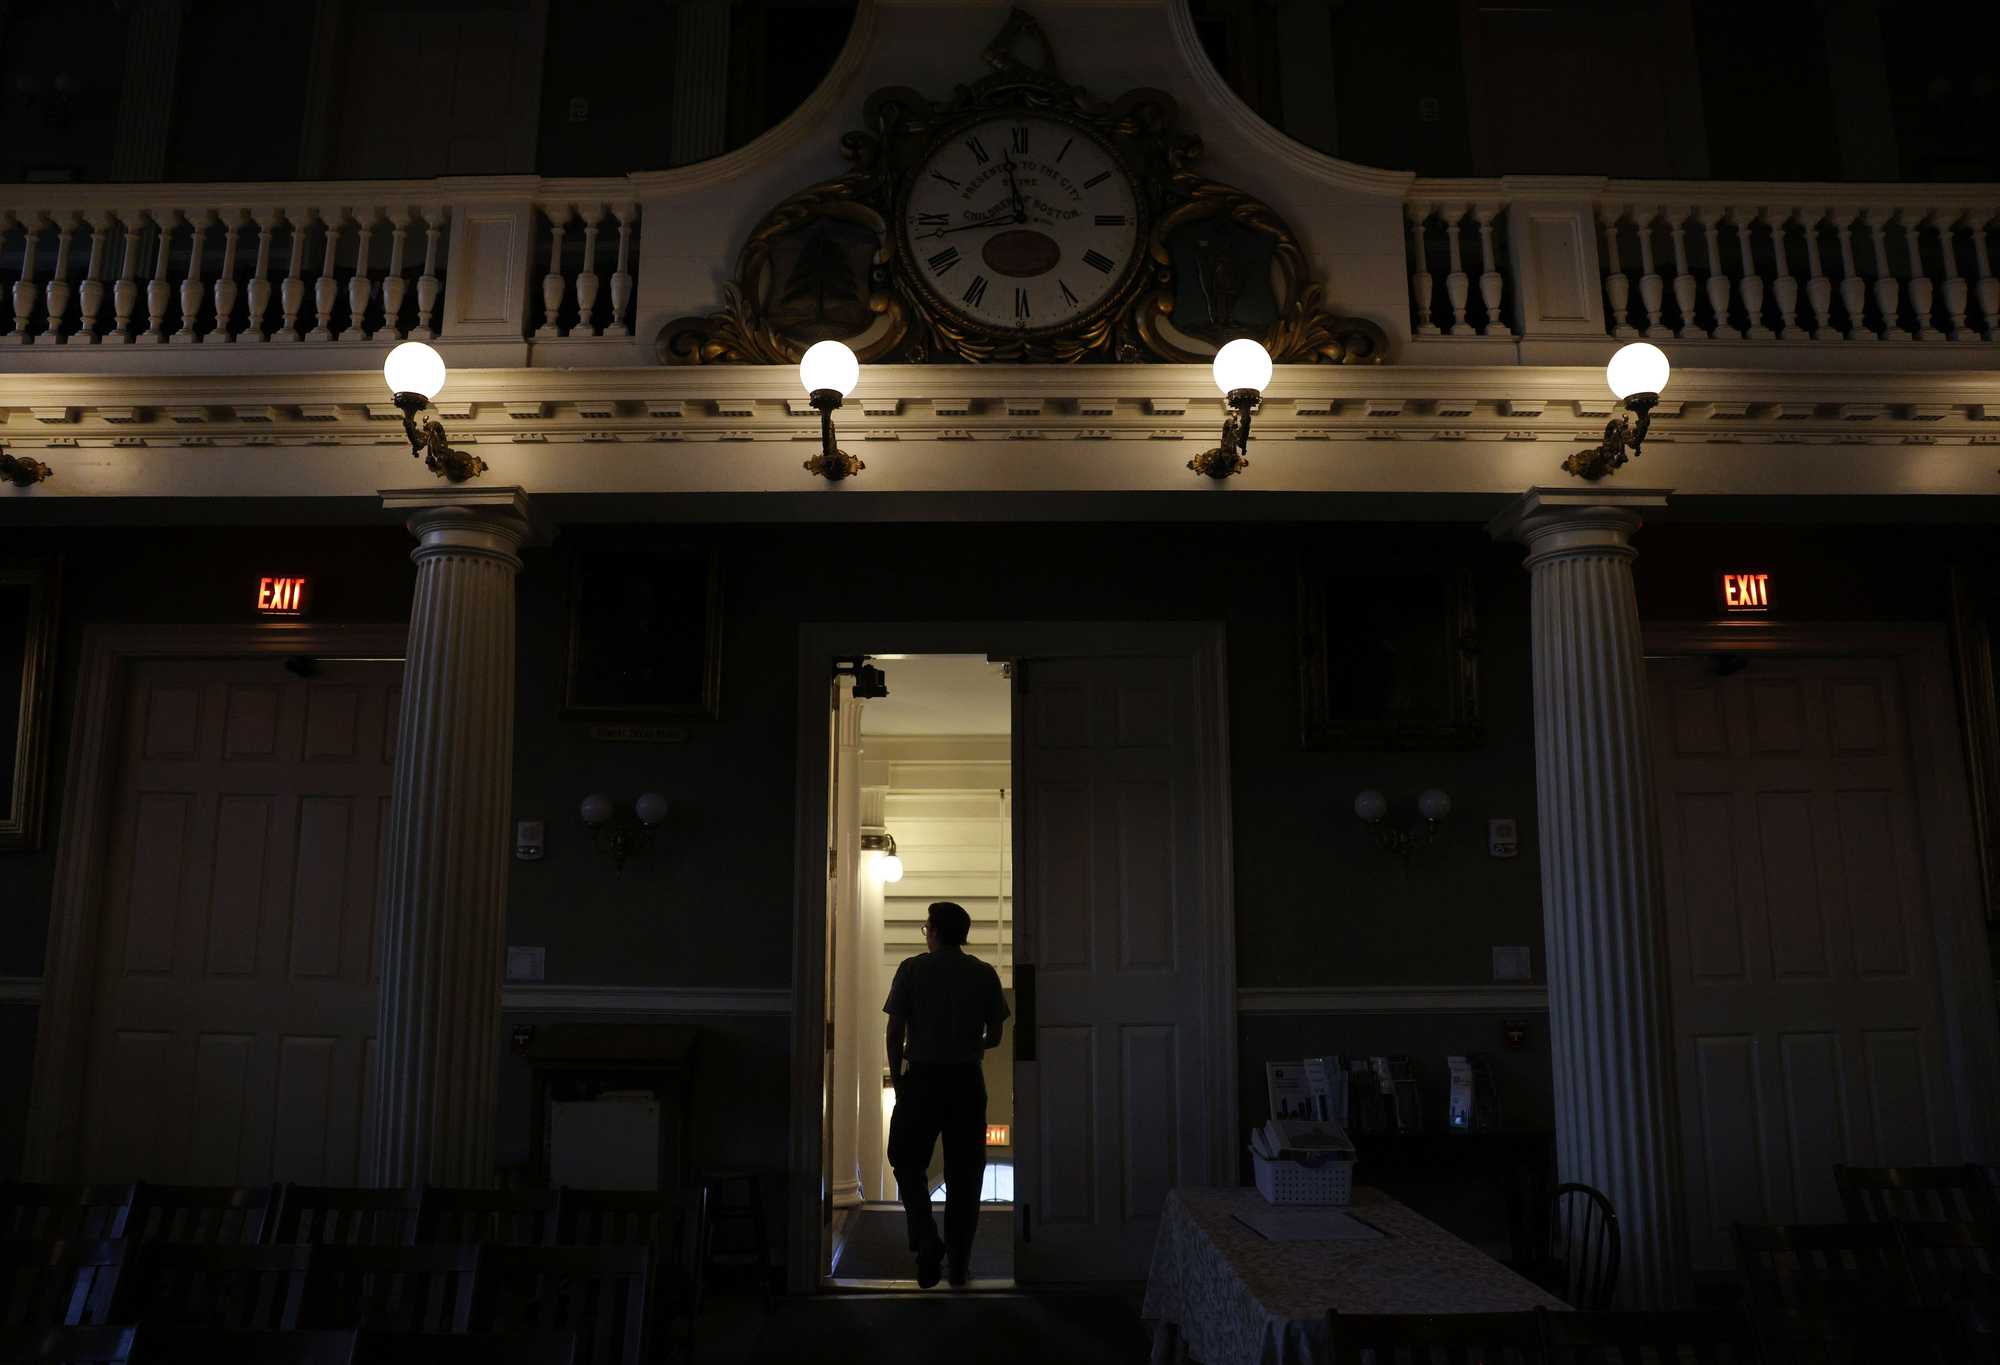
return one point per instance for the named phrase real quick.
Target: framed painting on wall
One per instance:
(27, 669)
(645, 630)
(1389, 657)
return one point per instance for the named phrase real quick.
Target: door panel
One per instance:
(235, 1000)
(1108, 769)
(1800, 946)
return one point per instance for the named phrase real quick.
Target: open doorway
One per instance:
(922, 794)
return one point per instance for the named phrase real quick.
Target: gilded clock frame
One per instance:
(908, 324)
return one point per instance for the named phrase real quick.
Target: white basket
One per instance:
(1292, 1182)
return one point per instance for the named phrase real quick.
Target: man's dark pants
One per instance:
(948, 1100)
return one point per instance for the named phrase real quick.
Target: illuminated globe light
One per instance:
(1371, 805)
(891, 867)
(414, 367)
(829, 365)
(1242, 364)
(1639, 367)
(1434, 805)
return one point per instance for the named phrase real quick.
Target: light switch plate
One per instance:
(526, 964)
(1513, 963)
(1503, 837)
(528, 835)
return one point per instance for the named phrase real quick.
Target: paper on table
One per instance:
(1308, 1225)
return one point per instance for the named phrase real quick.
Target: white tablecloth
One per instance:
(1234, 1298)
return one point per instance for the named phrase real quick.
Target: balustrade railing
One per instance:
(1468, 242)
(580, 296)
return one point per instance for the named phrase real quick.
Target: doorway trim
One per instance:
(90, 774)
(819, 645)
(1939, 781)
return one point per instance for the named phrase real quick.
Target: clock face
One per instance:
(1020, 225)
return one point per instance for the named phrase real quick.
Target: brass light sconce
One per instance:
(23, 471)
(416, 375)
(1637, 374)
(618, 835)
(890, 867)
(1242, 370)
(829, 371)
(1433, 805)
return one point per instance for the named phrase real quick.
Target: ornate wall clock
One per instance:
(1021, 220)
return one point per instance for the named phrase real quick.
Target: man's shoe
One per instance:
(958, 1276)
(930, 1265)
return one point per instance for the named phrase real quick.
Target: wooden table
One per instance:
(1225, 1296)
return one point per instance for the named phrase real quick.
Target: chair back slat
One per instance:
(599, 1293)
(234, 1288)
(1952, 1262)
(213, 1214)
(465, 1348)
(1582, 1255)
(393, 1289)
(341, 1216)
(521, 1218)
(38, 1212)
(74, 1345)
(1833, 1267)
(1868, 1336)
(1436, 1338)
(158, 1345)
(1918, 1194)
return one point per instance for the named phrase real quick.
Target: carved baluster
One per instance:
(260, 277)
(621, 280)
(1819, 289)
(1922, 288)
(91, 300)
(554, 286)
(1683, 280)
(1752, 284)
(191, 290)
(58, 293)
(1784, 288)
(1717, 283)
(427, 283)
(326, 289)
(1987, 287)
(1457, 287)
(1617, 288)
(226, 288)
(160, 294)
(587, 283)
(1491, 284)
(1888, 289)
(1420, 270)
(125, 294)
(1853, 290)
(1651, 287)
(1954, 283)
(24, 288)
(394, 286)
(361, 288)
(292, 293)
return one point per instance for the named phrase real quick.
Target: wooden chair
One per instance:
(59, 1284)
(342, 1216)
(210, 1346)
(1952, 1262)
(1649, 1338)
(465, 1348)
(1817, 1268)
(1923, 1194)
(514, 1218)
(392, 1289)
(34, 1212)
(214, 1214)
(598, 1293)
(667, 1228)
(1436, 1338)
(1578, 1260)
(232, 1288)
(1905, 1336)
(75, 1345)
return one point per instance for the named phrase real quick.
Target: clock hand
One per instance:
(1014, 191)
(966, 227)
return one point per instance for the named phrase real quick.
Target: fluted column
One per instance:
(870, 1143)
(443, 898)
(1600, 853)
(850, 1050)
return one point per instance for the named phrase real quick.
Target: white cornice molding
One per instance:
(20, 990)
(1391, 999)
(546, 997)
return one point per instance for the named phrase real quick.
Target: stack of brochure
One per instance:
(1297, 1140)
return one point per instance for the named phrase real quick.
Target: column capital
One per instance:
(491, 521)
(1571, 521)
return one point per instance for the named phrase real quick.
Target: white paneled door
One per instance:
(1805, 976)
(1113, 1100)
(234, 1009)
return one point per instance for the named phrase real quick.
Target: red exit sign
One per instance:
(997, 1134)
(281, 596)
(1746, 592)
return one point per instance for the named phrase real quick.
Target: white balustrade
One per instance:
(584, 238)
(1467, 231)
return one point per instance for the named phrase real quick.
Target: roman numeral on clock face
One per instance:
(978, 150)
(1065, 149)
(1097, 180)
(1097, 261)
(1021, 304)
(1111, 220)
(938, 219)
(944, 260)
(940, 175)
(1020, 138)
(975, 291)
(1068, 295)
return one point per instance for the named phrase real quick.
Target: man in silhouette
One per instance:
(945, 1009)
